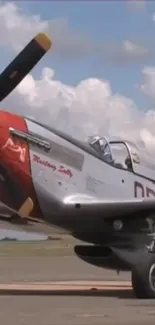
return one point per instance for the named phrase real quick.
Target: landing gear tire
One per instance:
(143, 278)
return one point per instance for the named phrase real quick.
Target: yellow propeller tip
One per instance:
(44, 41)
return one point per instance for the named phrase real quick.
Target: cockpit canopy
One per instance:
(101, 146)
(122, 154)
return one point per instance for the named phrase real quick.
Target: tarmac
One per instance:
(58, 290)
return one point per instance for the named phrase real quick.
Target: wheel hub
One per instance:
(152, 277)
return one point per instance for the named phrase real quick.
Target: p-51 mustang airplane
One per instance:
(101, 190)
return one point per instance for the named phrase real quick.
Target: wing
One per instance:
(73, 205)
(81, 204)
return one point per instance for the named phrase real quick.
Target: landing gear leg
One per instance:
(143, 274)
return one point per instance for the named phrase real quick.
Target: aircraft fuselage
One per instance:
(48, 167)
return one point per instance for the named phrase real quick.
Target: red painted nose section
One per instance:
(14, 153)
(14, 161)
(17, 183)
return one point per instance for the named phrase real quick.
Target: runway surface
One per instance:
(71, 306)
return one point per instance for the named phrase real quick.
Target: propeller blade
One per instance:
(23, 63)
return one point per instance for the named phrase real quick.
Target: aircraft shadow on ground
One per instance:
(122, 294)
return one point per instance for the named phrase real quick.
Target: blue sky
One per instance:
(103, 23)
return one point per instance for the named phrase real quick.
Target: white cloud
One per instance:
(134, 49)
(137, 4)
(153, 17)
(148, 82)
(91, 106)
(17, 28)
